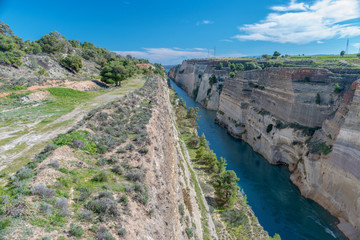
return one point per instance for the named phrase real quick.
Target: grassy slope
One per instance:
(18, 120)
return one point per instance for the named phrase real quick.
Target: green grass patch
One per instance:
(81, 135)
(67, 92)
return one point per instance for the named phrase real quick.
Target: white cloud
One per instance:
(226, 40)
(170, 56)
(204, 22)
(356, 45)
(320, 42)
(302, 23)
(293, 6)
(167, 56)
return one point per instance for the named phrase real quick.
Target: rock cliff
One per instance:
(305, 118)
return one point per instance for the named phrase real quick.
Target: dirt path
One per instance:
(21, 148)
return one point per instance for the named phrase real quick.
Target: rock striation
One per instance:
(292, 116)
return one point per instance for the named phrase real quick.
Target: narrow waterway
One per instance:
(276, 202)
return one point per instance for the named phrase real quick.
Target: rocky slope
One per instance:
(292, 116)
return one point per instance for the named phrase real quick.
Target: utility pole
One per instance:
(347, 47)
(208, 53)
(215, 52)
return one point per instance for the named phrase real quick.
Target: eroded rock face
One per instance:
(193, 77)
(277, 111)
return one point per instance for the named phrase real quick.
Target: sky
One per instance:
(168, 31)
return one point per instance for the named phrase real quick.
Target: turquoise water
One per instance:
(275, 200)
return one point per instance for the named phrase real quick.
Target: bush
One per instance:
(143, 150)
(118, 169)
(124, 200)
(50, 44)
(24, 173)
(42, 191)
(4, 223)
(45, 209)
(321, 147)
(135, 175)
(235, 218)
(84, 193)
(269, 128)
(181, 209)
(103, 176)
(86, 215)
(142, 193)
(121, 232)
(189, 232)
(337, 88)
(232, 74)
(62, 205)
(104, 234)
(75, 230)
(72, 63)
(104, 205)
(212, 80)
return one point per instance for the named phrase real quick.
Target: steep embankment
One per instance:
(293, 116)
(116, 174)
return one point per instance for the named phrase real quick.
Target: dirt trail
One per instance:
(23, 145)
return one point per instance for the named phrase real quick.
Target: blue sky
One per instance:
(170, 31)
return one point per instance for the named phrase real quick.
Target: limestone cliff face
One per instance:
(293, 116)
(193, 77)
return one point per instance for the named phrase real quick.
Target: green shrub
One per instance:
(72, 63)
(321, 147)
(4, 223)
(104, 205)
(42, 191)
(181, 209)
(135, 175)
(103, 176)
(189, 232)
(235, 218)
(50, 43)
(337, 88)
(232, 74)
(212, 80)
(24, 173)
(269, 128)
(104, 234)
(68, 139)
(76, 231)
(142, 193)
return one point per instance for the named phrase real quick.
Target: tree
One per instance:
(213, 80)
(226, 188)
(114, 72)
(276, 54)
(318, 99)
(232, 74)
(203, 141)
(72, 63)
(358, 55)
(200, 153)
(337, 88)
(342, 53)
(50, 44)
(221, 165)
